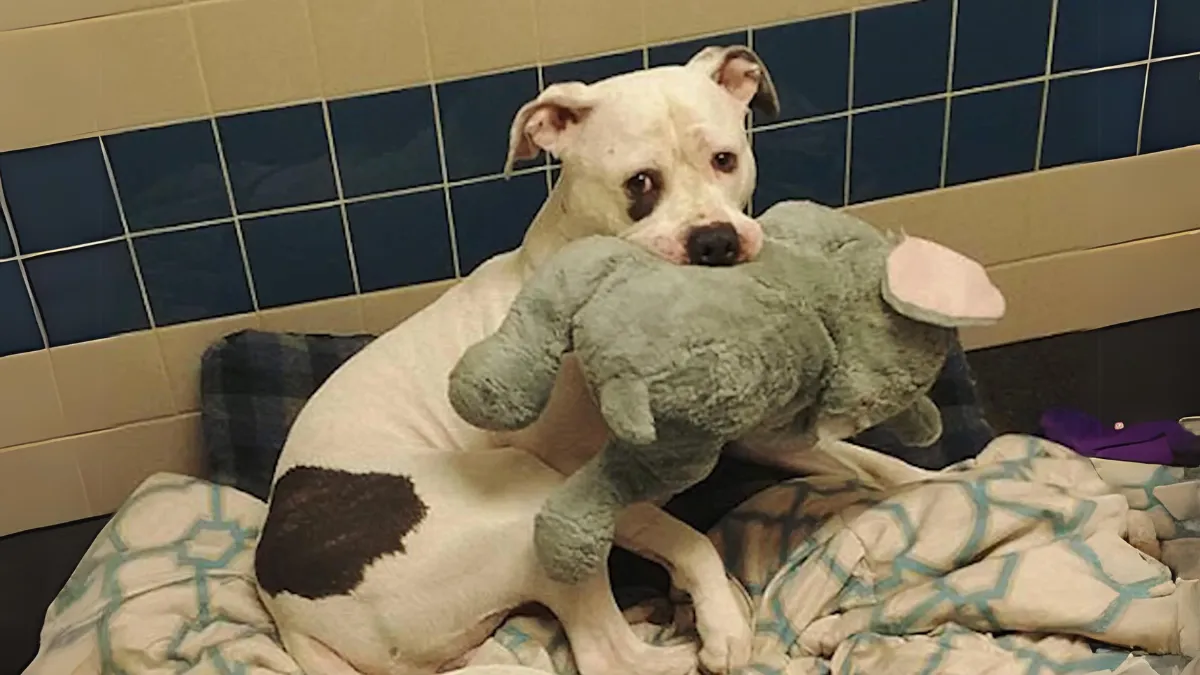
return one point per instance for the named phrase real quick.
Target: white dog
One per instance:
(398, 536)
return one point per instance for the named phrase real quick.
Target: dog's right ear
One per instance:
(548, 122)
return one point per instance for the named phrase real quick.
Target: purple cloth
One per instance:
(1148, 443)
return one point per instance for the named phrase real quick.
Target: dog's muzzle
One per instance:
(714, 245)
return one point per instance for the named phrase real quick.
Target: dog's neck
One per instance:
(553, 228)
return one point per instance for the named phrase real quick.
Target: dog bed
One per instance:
(842, 572)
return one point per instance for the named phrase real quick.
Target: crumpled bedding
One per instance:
(1013, 562)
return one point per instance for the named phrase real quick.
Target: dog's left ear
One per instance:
(739, 70)
(548, 122)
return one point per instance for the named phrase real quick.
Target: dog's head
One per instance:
(658, 156)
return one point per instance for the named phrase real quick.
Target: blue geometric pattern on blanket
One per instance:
(179, 547)
(860, 548)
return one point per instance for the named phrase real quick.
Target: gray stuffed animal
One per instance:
(833, 329)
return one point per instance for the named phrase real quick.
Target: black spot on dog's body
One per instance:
(325, 526)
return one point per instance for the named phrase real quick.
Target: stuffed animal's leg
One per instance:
(573, 532)
(919, 425)
(697, 569)
(601, 639)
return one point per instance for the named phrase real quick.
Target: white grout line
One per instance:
(1041, 132)
(16, 246)
(1146, 80)
(137, 268)
(441, 149)
(849, 107)
(179, 228)
(941, 95)
(393, 193)
(237, 221)
(949, 88)
(316, 206)
(645, 57)
(341, 196)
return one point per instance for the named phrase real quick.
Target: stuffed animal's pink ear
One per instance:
(928, 282)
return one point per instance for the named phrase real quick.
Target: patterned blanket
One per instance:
(1010, 563)
(1013, 562)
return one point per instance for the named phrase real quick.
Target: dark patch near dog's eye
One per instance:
(643, 190)
(325, 526)
(725, 162)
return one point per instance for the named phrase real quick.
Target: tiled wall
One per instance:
(174, 170)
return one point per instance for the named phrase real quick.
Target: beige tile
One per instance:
(29, 407)
(369, 44)
(53, 94)
(40, 485)
(149, 70)
(339, 316)
(1082, 290)
(383, 310)
(1122, 200)
(568, 28)
(256, 52)
(28, 13)
(1064, 209)
(110, 382)
(671, 19)
(473, 36)
(182, 347)
(114, 462)
(992, 222)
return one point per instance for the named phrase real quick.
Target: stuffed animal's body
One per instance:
(832, 330)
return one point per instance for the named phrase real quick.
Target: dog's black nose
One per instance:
(714, 245)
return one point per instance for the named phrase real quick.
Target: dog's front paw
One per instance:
(726, 633)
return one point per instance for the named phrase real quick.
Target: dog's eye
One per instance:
(725, 162)
(641, 183)
(643, 190)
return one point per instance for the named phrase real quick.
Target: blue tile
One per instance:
(801, 162)
(278, 158)
(1095, 33)
(88, 293)
(193, 274)
(593, 70)
(19, 331)
(298, 257)
(169, 175)
(386, 141)
(679, 53)
(809, 63)
(491, 217)
(993, 133)
(1177, 28)
(1093, 117)
(401, 240)
(6, 247)
(1172, 116)
(896, 150)
(901, 51)
(1000, 40)
(476, 116)
(59, 195)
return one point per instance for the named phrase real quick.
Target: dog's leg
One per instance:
(697, 569)
(601, 639)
